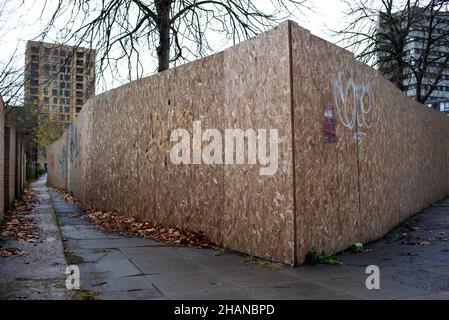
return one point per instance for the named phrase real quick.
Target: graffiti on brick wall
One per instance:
(354, 105)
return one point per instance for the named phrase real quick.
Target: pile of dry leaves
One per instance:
(8, 252)
(68, 197)
(18, 226)
(133, 226)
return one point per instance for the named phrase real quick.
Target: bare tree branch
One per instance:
(401, 38)
(171, 31)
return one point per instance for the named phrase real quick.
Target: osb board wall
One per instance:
(324, 196)
(78, 156)
(197, 200)
(325, 174)
(125, 163)
(384, 167)
(257, 95)
(57, 162)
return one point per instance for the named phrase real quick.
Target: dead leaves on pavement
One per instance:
(17, 225)
(133, 226)
(8, 252)
(68, 197)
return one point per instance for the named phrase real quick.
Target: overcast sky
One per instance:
(324, 16)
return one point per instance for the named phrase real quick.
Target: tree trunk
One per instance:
(163, 25)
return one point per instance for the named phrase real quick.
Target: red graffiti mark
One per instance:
(329, 131)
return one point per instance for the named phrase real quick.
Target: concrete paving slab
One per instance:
(86, 232)
(112, 243)
(430, 297)
(250, 276)
(355, 286)
(41, 273)
(125, 284)
(133, 295)
(322, 271)
(298, 291)
(64, 221)
(213, 258)
(115, 263)
(198, 282)
(150, 265)
(418, 278)
(50, 289)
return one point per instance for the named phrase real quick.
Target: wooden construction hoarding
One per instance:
(355, 155)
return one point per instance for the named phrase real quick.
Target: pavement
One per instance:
(413, 260)
(39, 274)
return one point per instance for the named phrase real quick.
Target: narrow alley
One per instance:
(413, 261)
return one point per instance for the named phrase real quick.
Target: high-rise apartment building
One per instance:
(58, 79)
(416, 41)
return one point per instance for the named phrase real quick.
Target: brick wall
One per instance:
(2, 155)
(10, 166)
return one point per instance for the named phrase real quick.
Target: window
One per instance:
(67, 100)
(68, 117)
(79, 86)
(55, 100)
(61, 109)
(62, 85)
(67, 109)
(54, 92)
(54, 84)
(79, 94)
(78, 109)
(66, 93)
(61, 100)
(46, 100)
(62, 117)
(46, 91)
(79, 70)
(54, 108)
(79, 102)
(79, 78)
(35, 49)
(35, 66)
(67, 77)
(34, 91)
